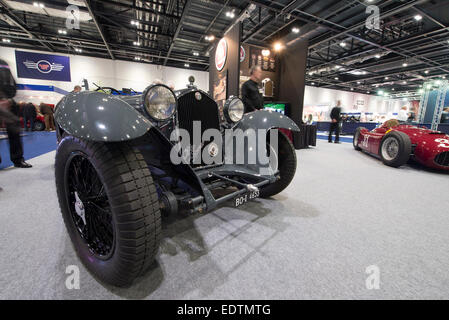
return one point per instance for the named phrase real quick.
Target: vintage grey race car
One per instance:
(115, 173)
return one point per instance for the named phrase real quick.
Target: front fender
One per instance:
(96, 116)
(264, 119)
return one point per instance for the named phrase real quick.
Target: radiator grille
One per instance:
(442, 159)
(190, 109)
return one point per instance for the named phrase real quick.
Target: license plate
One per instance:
(244, 198)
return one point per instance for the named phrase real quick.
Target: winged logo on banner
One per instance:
(43, 66)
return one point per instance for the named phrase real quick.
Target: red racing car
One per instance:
(397, 143)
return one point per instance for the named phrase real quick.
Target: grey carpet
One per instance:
(344, 212)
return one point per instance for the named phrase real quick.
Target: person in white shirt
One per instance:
(403, 114)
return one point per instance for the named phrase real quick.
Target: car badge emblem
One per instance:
(198, 96)
(213, 150)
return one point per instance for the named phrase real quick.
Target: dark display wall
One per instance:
(292, 77)
(254, 55)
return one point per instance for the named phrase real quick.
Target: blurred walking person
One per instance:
(48, 112)
(29, 115)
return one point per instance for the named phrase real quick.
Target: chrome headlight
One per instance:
(234, 109)
(160, 102)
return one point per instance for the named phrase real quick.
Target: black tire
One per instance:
(395, 149)
(356, 138)
(287, 167)
(39, 126)
(129, 213)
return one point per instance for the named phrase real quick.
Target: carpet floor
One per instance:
(344, 212)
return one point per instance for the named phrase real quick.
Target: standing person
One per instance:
(47, 111)
(8, 112)
(252, 99)
(77, 89)
(403, 114)
(29, 114)
(335, 122)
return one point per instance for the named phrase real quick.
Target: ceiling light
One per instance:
(187, 65)
(358, 82)
(418, 17)
(405, 64)
(62, 31)
(426, 72)
(368, 92)
(6, 40)
(135, 23)
(136, 43)
(78, 50)
(313, 83)
(377, 56)
(210, 38)
(343, 44)
(444, 77)
(295, 30)
(38, 4)
(352, 89)
(137, 58)
(404, 82)
(336, 78)
(230, 14)
(380, 92)
(196, 54)
(386, 78)
(278, 46)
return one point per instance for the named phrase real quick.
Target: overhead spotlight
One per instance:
(137, 58)
(266, 52)
(337, 67)
(352, 89)
(187, 65)
(62, 31)
(426, 72)
(377, 56)
(386, 78)
(358, 82)
(313, 83)
(295, 30)
(418, 17)
(405, 64)
(393, 89)
(368, 92)
(278, 46)
(230, 14)
(6, 40)
(444, 77)
(380, 92)
(196, 54)
(343, 44)
(210, 38)
(78, 50)
(404, 82)
(38, 4)
(336, 78)
(137, 43)
(135, 23)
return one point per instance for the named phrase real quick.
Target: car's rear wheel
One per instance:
(395, 149)
(110, 208)
(39, 126)
(286, 163)
(355, 141)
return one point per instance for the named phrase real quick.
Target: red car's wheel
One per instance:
(395, 149)
(355, 141)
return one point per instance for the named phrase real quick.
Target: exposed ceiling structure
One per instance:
(409, 46)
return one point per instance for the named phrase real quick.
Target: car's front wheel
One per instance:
(355, 141)
(286, 163)
(110, 208)
(395, 149)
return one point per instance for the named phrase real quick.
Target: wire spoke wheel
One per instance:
(89, 206)
(390, 148)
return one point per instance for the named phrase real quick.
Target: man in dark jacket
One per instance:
(9, 113)
(335, 123)
(251, 97)
(29, 114)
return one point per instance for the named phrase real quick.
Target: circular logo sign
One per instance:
(242, 54)
(221, 54)
(44, 66)
(198, 96)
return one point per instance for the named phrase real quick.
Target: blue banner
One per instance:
(42, 66)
